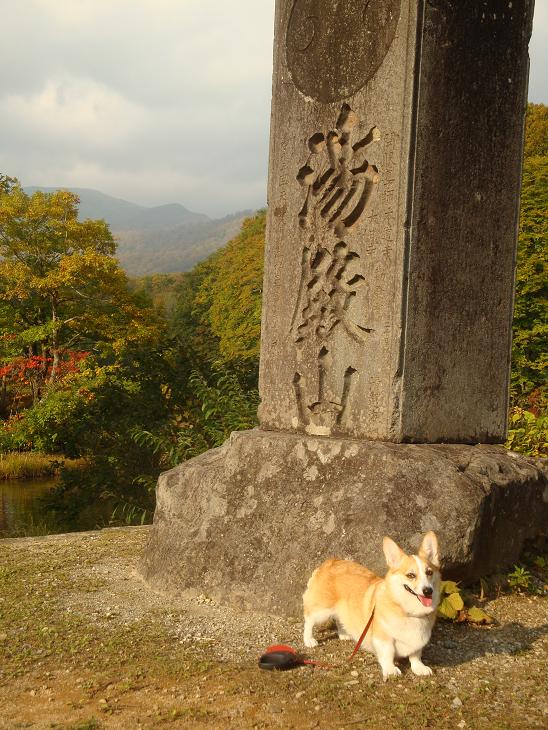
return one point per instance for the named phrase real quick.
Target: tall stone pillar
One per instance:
(395, 166)
(394, 181)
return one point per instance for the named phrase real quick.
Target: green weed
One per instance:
(520, 579)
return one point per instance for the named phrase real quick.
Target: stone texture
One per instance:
(246, 523)
(395, 155)
(394, 181)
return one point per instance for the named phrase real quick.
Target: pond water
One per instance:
(23, 513)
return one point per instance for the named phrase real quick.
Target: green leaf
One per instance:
(446, 610)
(456, 601)
(449, 586)
(478, 616)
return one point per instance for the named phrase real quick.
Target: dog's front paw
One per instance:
(392, 671)
(421, 669)
(310, 643)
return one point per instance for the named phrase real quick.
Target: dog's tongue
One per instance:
(424, 600)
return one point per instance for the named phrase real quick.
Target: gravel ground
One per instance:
(84, 644)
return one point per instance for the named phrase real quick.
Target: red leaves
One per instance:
(23, 369)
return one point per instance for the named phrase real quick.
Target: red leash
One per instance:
(362, 637)
(283, 656)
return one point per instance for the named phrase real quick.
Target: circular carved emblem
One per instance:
(334, 47)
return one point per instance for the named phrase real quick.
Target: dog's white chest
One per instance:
(410, 634)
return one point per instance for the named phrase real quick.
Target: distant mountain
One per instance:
(167, 249)
(158, 239)
(121, 214)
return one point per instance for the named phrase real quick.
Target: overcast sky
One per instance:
(154, 101)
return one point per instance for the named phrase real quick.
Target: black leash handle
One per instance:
(283, 657)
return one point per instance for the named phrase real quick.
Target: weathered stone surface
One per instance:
(246, 523)
(394, 179)
(394, 182)
(334, 48)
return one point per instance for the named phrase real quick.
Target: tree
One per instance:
(536, 131)
(530, 323)
(218, 314)
(61, 288)
(230, 293)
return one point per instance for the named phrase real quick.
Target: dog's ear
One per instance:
(392, 552)
(429, 549)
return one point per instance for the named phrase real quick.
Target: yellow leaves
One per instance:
(138, 330)
(455, 601)
(12, 206)
(451, 602)
(55, 268)
(452, 606)
(14, 276)
(44, 227)
(528, 433)
(89, 269)
(478, 616)
(536, 130)
(230, 292)
(55, 208)
(449, 587)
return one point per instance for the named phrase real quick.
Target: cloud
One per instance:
(538, 53)
(73, 112)
(154, 101)
(151, 100)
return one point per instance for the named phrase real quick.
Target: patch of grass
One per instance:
(33, 465)
(31, 528)
(92, 724)
(37, 631)
(124, 668)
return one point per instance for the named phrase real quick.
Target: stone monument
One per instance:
(395, 164)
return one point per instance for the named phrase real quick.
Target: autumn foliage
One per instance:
(136, 376)
(62, 293)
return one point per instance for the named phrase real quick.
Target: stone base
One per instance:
(246, 523)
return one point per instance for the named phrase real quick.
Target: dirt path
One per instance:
(85, 645)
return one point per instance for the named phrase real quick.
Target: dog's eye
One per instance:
(429, 572)
(411, 576)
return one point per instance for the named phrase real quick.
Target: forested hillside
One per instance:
(150, 240)
(135, 376)
(528, 397)
(172, 248)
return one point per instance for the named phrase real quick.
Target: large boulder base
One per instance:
(246, 523)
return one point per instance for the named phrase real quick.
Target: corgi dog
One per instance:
(405, 602)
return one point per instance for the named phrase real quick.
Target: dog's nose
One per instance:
(427, 591)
